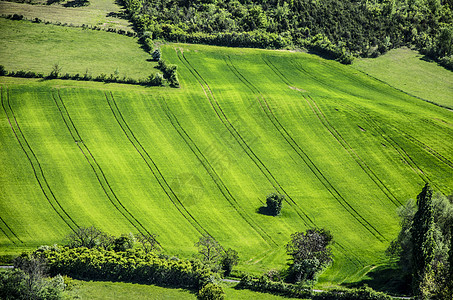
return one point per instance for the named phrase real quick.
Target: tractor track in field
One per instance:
(342, 141)
(362, 164)
(398, 148)
(95, 166)
(153, 166)
(10, 230)
(291, 202)
(215, 177)
(306, 159)
(35, 164)
(237, 136)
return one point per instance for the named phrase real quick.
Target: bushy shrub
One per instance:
(211, 291)
(274, 203)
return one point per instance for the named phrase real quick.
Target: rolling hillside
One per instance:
(345, 149)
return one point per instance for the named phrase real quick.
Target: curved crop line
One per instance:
(94, 165)
(399, 149)
(150, 163)
(266, 172)
(214, 176)
(307, 160)
(362, 164)
(426, 148)
(36, 166)
(10, 230)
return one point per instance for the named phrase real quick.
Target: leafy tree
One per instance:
(3, 72)
(310, 254)
(229, 259)
(274, 203)
(211, 291)
(209, 250)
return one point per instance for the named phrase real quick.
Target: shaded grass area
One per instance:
(409, 71)
(102, 13)
(75, 50)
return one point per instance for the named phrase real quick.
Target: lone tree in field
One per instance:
(310, 254)
(274, 203)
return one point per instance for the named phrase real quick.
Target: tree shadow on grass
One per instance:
(264, 210)
(388, 279)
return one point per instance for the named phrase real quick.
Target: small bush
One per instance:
(274, 203)
(211, 291)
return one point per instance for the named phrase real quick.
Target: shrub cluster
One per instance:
(130, 266)
(169, 72)
(263, 284)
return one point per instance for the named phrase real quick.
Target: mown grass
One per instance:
(75, 50)
(345, 149)
(98, 290)
(98, 13)
(407, 70)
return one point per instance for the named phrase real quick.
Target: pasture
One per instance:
(345, 149)
(75, 50)
(408, 70)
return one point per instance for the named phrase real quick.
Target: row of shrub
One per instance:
(264, 285)
(18, 17)
(132, 265)
(156, 79)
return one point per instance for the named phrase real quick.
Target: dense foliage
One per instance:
(310, 253)
(131, 266)
(335, 28)
(274, 203)
(423, 247)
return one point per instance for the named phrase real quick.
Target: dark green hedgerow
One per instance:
(128, 266)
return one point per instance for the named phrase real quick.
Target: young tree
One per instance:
(274, 203)
(310, 254)
(211, 291)
(124, 242)
(209, 249)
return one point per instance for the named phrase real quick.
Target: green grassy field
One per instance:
(76, 50)
(345, 149)
(97, 290)
(406, 70)
(98, 13)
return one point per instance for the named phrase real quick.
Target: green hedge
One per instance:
(130, 266)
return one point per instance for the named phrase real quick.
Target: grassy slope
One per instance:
(344, 148)
(405, 69)
(95, 14)
(101, 52)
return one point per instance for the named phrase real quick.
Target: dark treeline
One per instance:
(335, 28)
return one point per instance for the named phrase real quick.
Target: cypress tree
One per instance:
(423, 242)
